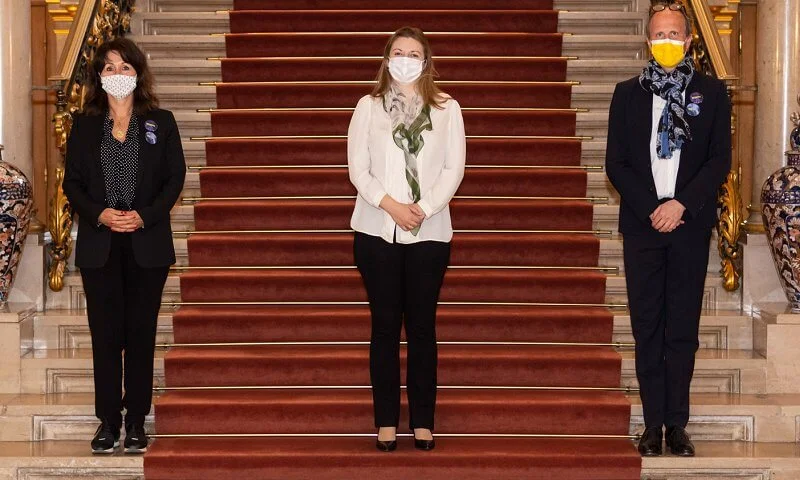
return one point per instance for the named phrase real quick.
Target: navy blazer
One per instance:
(704, 164)
(159, 182)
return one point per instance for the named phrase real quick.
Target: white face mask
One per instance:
(405, 69)
(119, 86)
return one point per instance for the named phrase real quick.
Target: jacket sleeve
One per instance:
(359, 162)
(441, 192)
(705, 184)
(76, 181)
(159, 209)
(619, 168)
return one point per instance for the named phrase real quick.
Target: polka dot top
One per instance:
(120, 160)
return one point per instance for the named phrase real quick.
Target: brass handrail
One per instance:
(710, 57)
(96, 22)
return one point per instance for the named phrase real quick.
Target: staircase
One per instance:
(45, 428)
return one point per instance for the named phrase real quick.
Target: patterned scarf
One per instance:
(673, 130)
(409, 119)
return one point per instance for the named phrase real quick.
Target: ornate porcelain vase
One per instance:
(16, 206)
(780, 209)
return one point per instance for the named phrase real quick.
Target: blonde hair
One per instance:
(430, 93)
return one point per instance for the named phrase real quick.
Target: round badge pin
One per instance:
(150, 126)
(151, 138)
(693, 109)
(696, 97)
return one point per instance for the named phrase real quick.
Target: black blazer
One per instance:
(704, 164)
(159, 181)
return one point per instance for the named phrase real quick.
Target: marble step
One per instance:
(189, 98)
(198, 47)
(716, 371)
(715, 461)
(216, 5)
(593, 152)
(715, 417)
(198, 124)
(199, 23)
(181, 71)
(66, 329)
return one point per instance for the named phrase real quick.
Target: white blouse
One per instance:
(377, 168)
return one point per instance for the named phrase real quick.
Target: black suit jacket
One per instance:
(704, 164)
(159, 181)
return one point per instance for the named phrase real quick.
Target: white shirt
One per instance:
(665, 170)
(377, 168)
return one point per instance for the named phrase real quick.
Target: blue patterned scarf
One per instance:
(673, 129)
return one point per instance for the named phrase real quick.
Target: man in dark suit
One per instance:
(669, 150)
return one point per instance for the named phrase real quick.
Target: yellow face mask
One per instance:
(668, 53)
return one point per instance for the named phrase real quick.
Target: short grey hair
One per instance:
(683, 11)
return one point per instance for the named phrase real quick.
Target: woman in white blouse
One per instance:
(406, 153)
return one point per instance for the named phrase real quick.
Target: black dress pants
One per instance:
(123, 300)
(403, 284)
(665, 275)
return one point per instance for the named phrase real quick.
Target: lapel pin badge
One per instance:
(693, 109)
(151, 138)
(150, 126)
(696, 98)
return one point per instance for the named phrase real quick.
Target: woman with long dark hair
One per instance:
(124, 172)
(406, 155)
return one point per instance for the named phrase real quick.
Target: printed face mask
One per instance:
(405, 69)
(119, 86)
(668, 53)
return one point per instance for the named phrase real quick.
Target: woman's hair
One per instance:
(430, 93)
(144, 97)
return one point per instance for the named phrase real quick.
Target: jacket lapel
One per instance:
(643, 124)
(96, 136)
(143, 145)
(695, 86)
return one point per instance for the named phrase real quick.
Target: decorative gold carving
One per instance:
(729, 231)
(99, 21)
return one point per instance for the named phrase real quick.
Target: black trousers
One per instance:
(665, 275)
(123, 300)
(403, 284)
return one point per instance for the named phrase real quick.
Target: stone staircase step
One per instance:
(723, 417)
(716, 371)
(715, 461)
(220, 5)
(211, 22)
(180, 98)
(65, 329)
(198, 47)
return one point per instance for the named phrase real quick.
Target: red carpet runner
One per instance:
(292, 403)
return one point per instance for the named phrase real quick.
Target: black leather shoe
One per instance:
(106, 438)
(389, 446)
(650, 442)
(679, 443)
(424, 444)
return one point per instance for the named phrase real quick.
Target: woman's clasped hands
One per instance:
(123, 221)
(406, 216)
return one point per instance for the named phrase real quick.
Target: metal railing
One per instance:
(710, 58)
(96, 22)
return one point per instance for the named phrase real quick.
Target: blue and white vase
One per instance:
(780, 209)
(16, 207)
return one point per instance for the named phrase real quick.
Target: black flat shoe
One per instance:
(650, 443)
(679, 443)
(389, 446)
(424, 444)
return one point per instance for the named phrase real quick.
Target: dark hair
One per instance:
(683, 11)
(430, 93)
(144, 97)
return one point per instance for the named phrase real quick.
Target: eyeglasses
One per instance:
(660, 7)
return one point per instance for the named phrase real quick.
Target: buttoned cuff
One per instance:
(425, 208)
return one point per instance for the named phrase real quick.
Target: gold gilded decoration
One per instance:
(97, 21)
(729, 231)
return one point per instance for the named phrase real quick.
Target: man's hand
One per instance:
(667, 217)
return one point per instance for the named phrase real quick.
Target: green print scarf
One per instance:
(409, 120)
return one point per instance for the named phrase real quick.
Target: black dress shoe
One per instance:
(679, 443)
(389, 446)
(424, 444)
(650, 443)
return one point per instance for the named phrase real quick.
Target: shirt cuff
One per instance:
(425, 208)
(376, 200)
